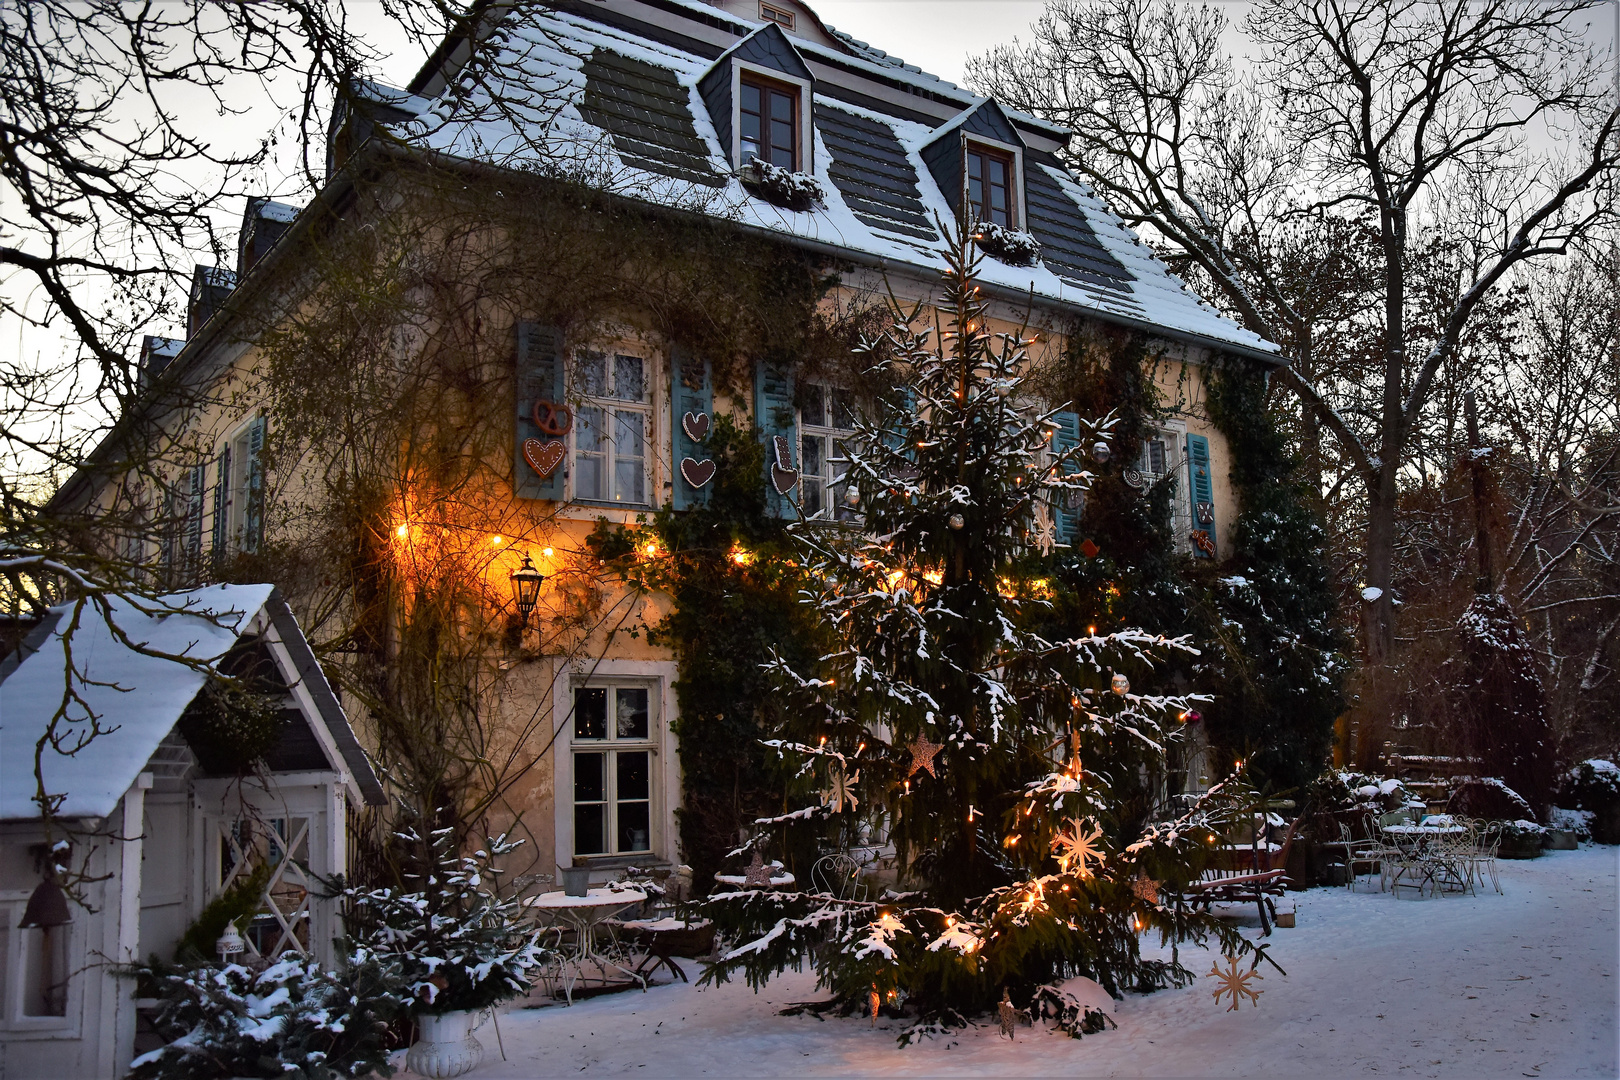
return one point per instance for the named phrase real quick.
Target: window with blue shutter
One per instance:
(774, 413)
(196, 486)
(253, 496)
(1201, 492)
(691, 408)
(1066, 505)
(540, 381)
(222, 506)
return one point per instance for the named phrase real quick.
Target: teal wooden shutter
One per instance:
(773, 412)
(1066, 504)
(690, 393)
(539, 378)
(1201, 492)
(196, 487)
(253, 500)
(222, 505)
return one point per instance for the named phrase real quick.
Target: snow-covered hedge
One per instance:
(1487, 797)
(781, 187)
(1341, 791)
(1594, 784)
(1012, 246)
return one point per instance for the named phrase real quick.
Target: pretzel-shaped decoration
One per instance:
(552, 419)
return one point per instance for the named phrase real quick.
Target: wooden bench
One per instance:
(1246, 876)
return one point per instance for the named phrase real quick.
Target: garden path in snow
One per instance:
(1520, 984)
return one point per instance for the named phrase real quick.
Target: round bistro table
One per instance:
(584, 915)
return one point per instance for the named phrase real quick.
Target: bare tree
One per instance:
(1419, 120)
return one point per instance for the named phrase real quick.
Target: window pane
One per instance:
(631, 721)
(750, 99)
(810, 455)
(629, 482)
(842, 414)
(589, 443)
(629, 383)
(590, 829)
(634, 831)
(814, 409)
(45, 971)
(628, 433)
(629, 475)
(976, 196)
(588, 430)
(782, 153)
(590, 713)
(591, 369)
(632, 774)
(781, 106)
(975, 166)
(590, 777)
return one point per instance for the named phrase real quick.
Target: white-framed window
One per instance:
(615, 735)
(613, 431)
(826, 422)
(36, 966)
(1163, 455)
(238, 495)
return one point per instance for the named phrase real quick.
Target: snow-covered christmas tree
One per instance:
(941, 724)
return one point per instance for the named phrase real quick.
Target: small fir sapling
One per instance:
(1011, 246)
(985, 751)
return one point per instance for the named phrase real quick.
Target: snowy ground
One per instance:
(1521, 984)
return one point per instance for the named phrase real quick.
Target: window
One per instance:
(771, 13)
(990, 185)
(1161, 458)
(768, 122)
(238, 514)
(612, 428)
(35, 970)
(825, 422)
(613, 769)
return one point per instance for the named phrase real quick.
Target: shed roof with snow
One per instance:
(118, 664)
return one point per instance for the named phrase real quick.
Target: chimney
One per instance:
(262, 225)
(210, 285)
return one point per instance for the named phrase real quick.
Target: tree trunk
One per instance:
(1378, 614)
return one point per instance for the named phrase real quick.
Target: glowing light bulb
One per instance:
(547, 552)
(496, 541)
(403, 530)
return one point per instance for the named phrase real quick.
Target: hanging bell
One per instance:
(1121, 685)
(47, 906)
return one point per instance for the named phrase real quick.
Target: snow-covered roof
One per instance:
(136, 696)
(611, 92)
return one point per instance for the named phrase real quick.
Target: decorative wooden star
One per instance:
(874, 999)
(1076, 847)
(922, 756)
(1044, 534)
(840, 790)
(758, 875)
(1146, 889)
(1007, 1015)
(1236, 983)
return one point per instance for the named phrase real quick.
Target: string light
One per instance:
(403, 531)
(496, 541)
(547, 552)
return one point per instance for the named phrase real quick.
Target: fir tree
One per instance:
(985, 751)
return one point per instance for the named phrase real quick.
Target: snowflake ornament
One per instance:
(840, 791)
(1235, 983)
(1077, 848)
(1044, 532)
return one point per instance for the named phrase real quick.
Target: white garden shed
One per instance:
(157, 831)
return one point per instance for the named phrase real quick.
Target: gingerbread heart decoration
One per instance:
(697, 473)
(696, 426)
(543, 457)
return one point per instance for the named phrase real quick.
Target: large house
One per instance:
(750, 118)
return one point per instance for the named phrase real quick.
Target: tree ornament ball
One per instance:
(1100, 452)
(957, 521)
(852, 497)
(1121, 685)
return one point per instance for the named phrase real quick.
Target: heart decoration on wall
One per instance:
(697, 473)
(696, 426)
(783, 475)
(543, 457)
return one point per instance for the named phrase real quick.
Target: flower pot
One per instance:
(445, 1045)
(1559, 840)
(576, 880)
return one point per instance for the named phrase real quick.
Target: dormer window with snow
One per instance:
(768, 121)
(991, 177)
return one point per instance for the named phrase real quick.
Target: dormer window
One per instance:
(772, 13)
(768, 121)
(990, 184)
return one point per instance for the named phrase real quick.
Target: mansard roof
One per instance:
(609, 89)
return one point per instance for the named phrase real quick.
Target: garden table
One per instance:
(1423, 851)
(583, 915)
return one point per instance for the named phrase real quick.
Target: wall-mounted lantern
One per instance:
(526, 581)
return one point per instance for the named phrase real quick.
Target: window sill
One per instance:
(623, 862)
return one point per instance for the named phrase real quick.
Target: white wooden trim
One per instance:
(807, 142)
(1017, 152)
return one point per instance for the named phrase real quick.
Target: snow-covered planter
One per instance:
(781, 187)
(446, 1046)
(1521, 839)
(1594, 786)
(1011, 246)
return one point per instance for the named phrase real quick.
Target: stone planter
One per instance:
(1516, 848)
(445, 1045)
(1559, 840)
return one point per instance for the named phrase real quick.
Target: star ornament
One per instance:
(1076, 848)
(1235, 983)
(840, 791)
(1007, 1016)
(1145, 889)
(758, 875)
(922, 756)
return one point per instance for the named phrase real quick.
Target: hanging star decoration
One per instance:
(1076, 848)
(758, 875)
(922, 756)
(840, 790)
(1007, 1015)
(874, 999)
(1236, 983)
(1146, 889)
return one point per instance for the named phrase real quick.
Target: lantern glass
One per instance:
(526, 581)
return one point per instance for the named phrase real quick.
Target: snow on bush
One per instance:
(1578, 822)
(781, 187)
(1594, 784)
(1487, 797)
(1341, 791)
(1012, 246)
